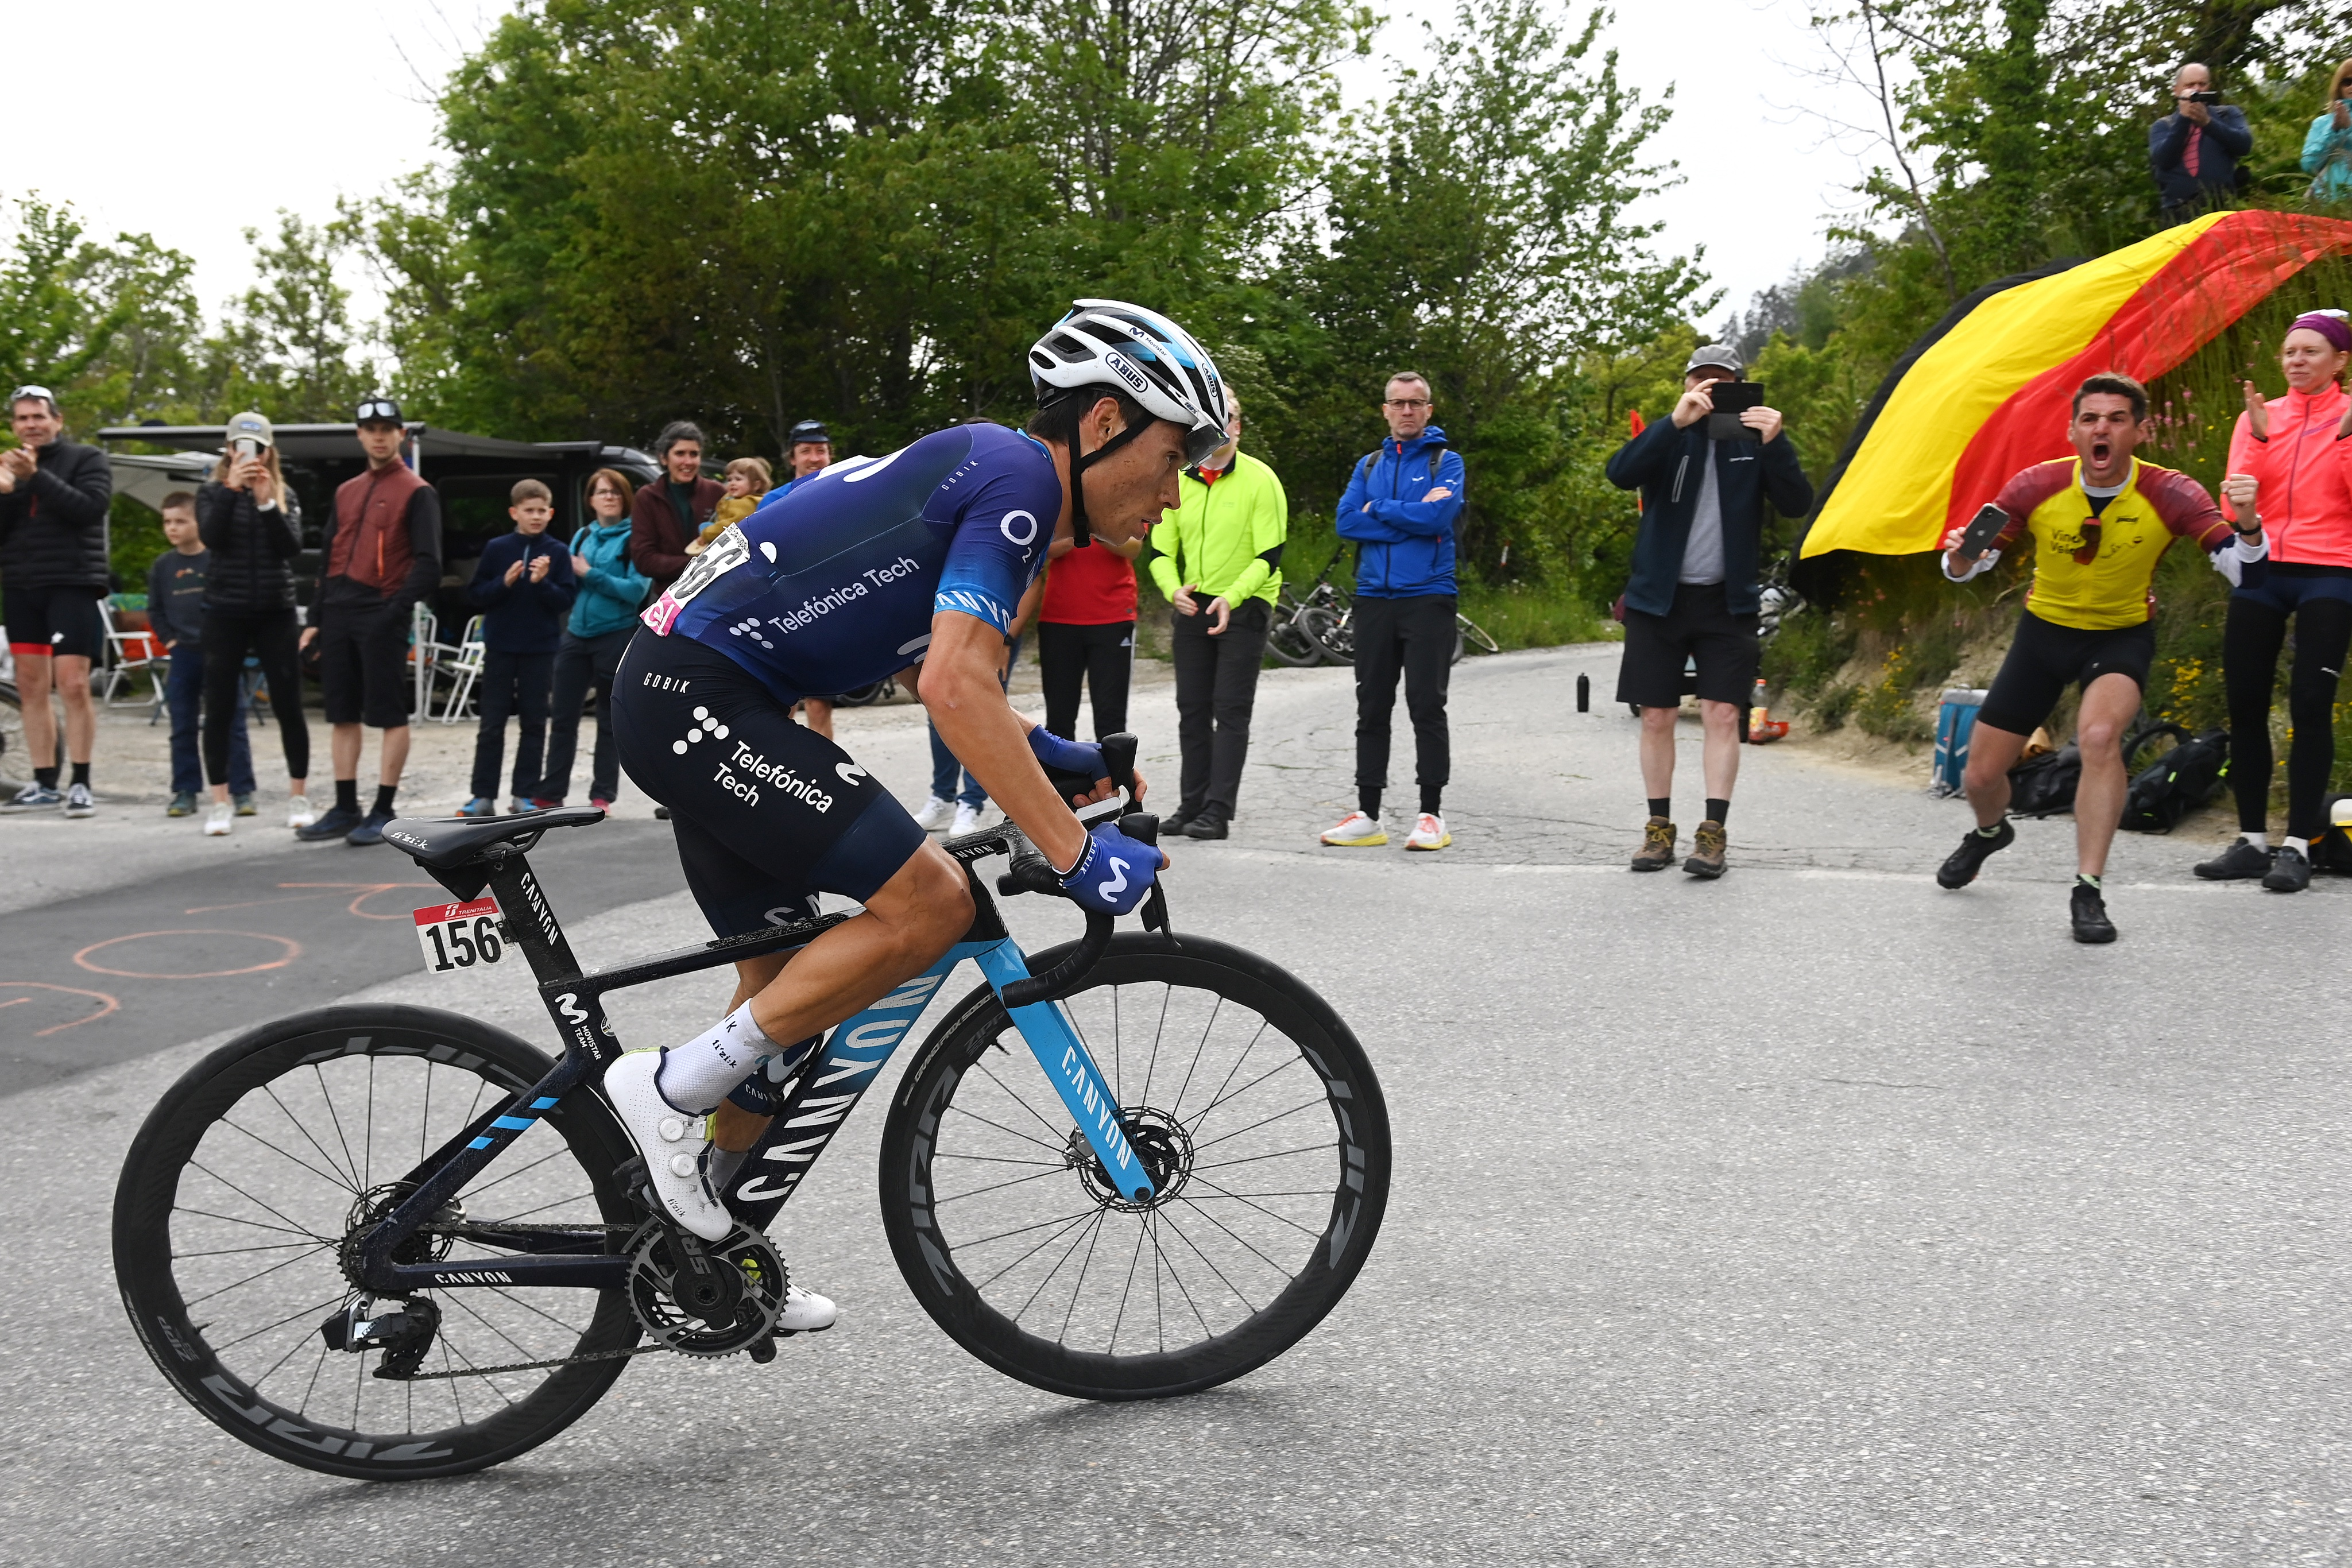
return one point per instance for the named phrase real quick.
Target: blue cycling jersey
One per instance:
(833, 584)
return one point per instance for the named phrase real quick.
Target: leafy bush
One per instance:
(1806, 655)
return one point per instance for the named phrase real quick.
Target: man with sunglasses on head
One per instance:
(53, 582)
(381, 553)
(2101, 520)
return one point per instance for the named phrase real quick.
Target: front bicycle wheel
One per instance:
(1330, 631)
(1258, 1118)
(1290, 645)
(1477, 636)
(253, 1171)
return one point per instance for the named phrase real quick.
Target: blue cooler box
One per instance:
(1956, 720)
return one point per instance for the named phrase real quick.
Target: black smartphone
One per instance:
(1982, 530)
(2204, 98)
(1731, 400)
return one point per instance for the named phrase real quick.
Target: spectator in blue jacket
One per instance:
(1693, 593)
(523, 587)
(1401, 507)
(2195, 150)
(603, 614)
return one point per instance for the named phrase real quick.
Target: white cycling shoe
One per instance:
(806, 1311)
(672, 1143)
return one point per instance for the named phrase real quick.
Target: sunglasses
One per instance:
(26, 393)
(370, 412)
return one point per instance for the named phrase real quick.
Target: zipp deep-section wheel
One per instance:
(251, 1174)
(1257, 1117)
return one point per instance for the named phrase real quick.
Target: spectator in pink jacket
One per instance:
(2291, 461)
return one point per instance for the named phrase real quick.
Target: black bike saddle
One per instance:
(444, 843)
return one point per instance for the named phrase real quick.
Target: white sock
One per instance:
(696, 1076)
(2300, 846)
(2260, 840)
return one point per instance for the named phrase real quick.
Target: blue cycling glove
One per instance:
(1113, 874)
(1066, 756)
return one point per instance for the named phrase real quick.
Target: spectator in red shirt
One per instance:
(1085, 634)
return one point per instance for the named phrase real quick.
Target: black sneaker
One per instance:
(1960, 867)
(1209, 824)
(1176, 821)
(370, 830)
(2236, 864)
(336, 823)
(2090, 913)
(2290, 872)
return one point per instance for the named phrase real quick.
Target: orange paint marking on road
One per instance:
(110, 1004)
(293, 951)
(367, 890)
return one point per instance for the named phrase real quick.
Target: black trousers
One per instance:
(1216, 687)
(1412, 637)
(581, 663)
(510, 684)
(1102, 657)
(2252, 639)
(270, 636)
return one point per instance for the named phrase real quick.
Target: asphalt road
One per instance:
(1815, 1216)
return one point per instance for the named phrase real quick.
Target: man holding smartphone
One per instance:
(53, 582)
(2195, 150)
(2101, 522)
(1705, 474)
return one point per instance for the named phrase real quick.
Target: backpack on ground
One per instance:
(2332, 849)
(2044, 786)
(2188, 776)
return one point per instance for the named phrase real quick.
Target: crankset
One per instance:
(704, 1299)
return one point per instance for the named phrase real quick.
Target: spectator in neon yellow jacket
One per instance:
(1218, 560)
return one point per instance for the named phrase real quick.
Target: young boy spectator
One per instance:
(175, 612)
(603, 614)
(523, 586)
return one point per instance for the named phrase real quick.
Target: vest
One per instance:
(371, 544)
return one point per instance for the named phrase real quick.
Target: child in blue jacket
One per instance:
(523, 586)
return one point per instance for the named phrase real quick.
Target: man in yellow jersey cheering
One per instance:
(2101, 520)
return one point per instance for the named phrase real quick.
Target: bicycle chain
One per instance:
(530, 1365)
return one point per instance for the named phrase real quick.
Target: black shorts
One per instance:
(1701, 627)
(2047, 658)
(364, 663)
(54, 621)
(769, 813)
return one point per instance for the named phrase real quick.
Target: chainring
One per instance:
(731, 1310)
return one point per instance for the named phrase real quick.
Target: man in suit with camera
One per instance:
(2194, 151)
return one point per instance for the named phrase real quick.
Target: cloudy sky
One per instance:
(194, 124)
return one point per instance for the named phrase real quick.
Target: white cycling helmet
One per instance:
(1105, 343)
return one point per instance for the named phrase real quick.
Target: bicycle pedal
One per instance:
(763, 1350)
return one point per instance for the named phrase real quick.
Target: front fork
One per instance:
(1070, 1067)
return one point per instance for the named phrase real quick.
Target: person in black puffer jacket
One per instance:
(246, 517)
(53, 575)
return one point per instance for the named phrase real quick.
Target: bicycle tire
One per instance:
(950, 1130)
(182, 1184)
(1331, 632)
(1480, 638)
(1289, 645)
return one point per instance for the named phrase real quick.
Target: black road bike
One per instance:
(390, 1242)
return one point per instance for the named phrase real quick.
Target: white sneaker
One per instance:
(1356, 829)
(1428, 833)
(806, 1311)
(672, 1143)
(80, 801)
(969, 820)
(936, 814)
(299, 812)
(218, 818)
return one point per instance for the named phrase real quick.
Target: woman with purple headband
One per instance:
(2293, 454)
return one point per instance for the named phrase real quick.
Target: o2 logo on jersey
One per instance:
(703, 724)
(1025, 538)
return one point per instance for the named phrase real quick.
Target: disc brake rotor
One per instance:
(729, 1305)
(1158, 1138)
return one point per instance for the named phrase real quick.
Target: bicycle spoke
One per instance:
(1072, 1219)
(1225, 1099)
(1254, 1126)
(281, 1323)
(232, 1219)
(367, 1143)
(982, 1069)
(1112, 1348)
(291, 1223)
(1024, 1137)
(1262, 1209)
(1085, 1230)
(1229, 1231)
(1078, 1288)
(1000, 1187)
(996, 1159)
(1182, 1290)
(336, 1181)
(265, 1246)
(343, 1177)
(319, 1075)
(560, 1150)
(1024, 1229)
(249, 1279)
(1206, 1030)
(1204, 1258)
(1276, 1154)
(1177, 1108)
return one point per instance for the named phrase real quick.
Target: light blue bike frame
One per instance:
(853, 1055)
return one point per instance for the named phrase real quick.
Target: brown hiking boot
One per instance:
(1707, 851)
(1657, 846)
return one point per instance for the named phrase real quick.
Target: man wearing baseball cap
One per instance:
(381, 553)
(1693, 597)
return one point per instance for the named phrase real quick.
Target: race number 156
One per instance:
(459, 936)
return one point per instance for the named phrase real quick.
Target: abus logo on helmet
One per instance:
(1118, 366)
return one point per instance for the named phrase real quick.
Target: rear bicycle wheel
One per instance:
(1258, 1117)
(243, 1185)
(1330, 631)
(1291, 645)
(1477, 636)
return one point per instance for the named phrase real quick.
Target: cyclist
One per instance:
(849, 578)
(2101, 520)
